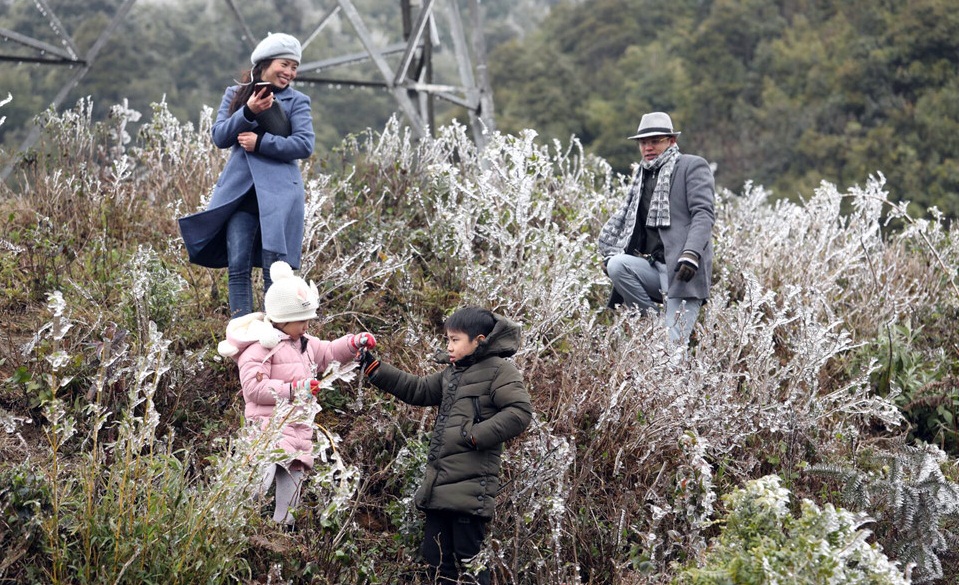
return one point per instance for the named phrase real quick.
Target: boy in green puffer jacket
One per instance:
(482, 403)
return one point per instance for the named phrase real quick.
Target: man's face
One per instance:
(654, 146)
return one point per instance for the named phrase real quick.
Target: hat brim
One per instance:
(292, 317)
(651, 133)
(287, 56)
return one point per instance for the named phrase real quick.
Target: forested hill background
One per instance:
(784, 93)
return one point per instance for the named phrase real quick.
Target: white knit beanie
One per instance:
(277, 46)
(289, 298)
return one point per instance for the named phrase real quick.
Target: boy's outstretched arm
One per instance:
(415, 390)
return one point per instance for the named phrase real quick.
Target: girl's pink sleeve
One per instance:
(255, 378)
(340, 350)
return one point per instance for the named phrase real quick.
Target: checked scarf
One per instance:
(659, 206)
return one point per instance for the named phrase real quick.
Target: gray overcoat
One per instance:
(692, 197)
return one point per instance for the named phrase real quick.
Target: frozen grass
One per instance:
(108, 341)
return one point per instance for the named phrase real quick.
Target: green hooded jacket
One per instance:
(482, 400)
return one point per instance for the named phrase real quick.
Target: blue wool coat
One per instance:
(275, 173)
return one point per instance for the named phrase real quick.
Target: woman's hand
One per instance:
(260, 101)
(247, 141)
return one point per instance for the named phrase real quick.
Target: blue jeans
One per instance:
(643, 285)
(242, 238)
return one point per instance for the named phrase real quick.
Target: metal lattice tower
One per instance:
(67, 55)
(411, 81)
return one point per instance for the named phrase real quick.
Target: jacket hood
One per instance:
(503, 341)
(246, 330)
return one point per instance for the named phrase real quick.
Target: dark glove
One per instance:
(605, 269)
(368, 362)
(687, 266)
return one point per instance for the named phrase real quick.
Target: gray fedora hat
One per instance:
(655, 124)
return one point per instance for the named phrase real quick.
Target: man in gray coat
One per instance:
(657, 248)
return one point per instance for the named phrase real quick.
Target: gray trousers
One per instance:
(643, 284)
(287, 493)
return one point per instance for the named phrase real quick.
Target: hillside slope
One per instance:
(822, 331)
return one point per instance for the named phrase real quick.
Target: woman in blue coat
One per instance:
(255, 216)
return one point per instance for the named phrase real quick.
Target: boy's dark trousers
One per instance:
(449, 539)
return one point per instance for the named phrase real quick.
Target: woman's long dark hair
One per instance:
(246, 85)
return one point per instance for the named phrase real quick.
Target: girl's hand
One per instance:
(313, 385)
(362, 340)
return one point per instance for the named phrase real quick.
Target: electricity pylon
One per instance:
(410, 81)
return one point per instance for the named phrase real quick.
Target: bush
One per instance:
(615, 482)
(761, 542)
(915, 505)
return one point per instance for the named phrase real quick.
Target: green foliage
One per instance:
(407, 466)
(784, 94)
(913, 369)
(24, 500)
(903, 365)
(933, 411)
(761, 542)
(22, 379)
(142, 519)
(130, 512)
(554, 109)
(151, 292)
(33, 257)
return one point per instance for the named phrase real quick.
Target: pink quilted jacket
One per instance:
(269, 361)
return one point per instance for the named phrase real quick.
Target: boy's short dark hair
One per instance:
(472, 321)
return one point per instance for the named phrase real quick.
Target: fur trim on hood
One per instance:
(245, 331)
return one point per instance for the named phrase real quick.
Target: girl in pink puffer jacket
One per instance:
(275, 356)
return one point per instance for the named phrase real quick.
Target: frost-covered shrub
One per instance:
(519, 229)
(129, 506)
(151, 292)
(633, 437)
(916, 505)
(510, 227)
(533, 510)
(513, 228)
(831, 254)
(761, 543)
(176, 162)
